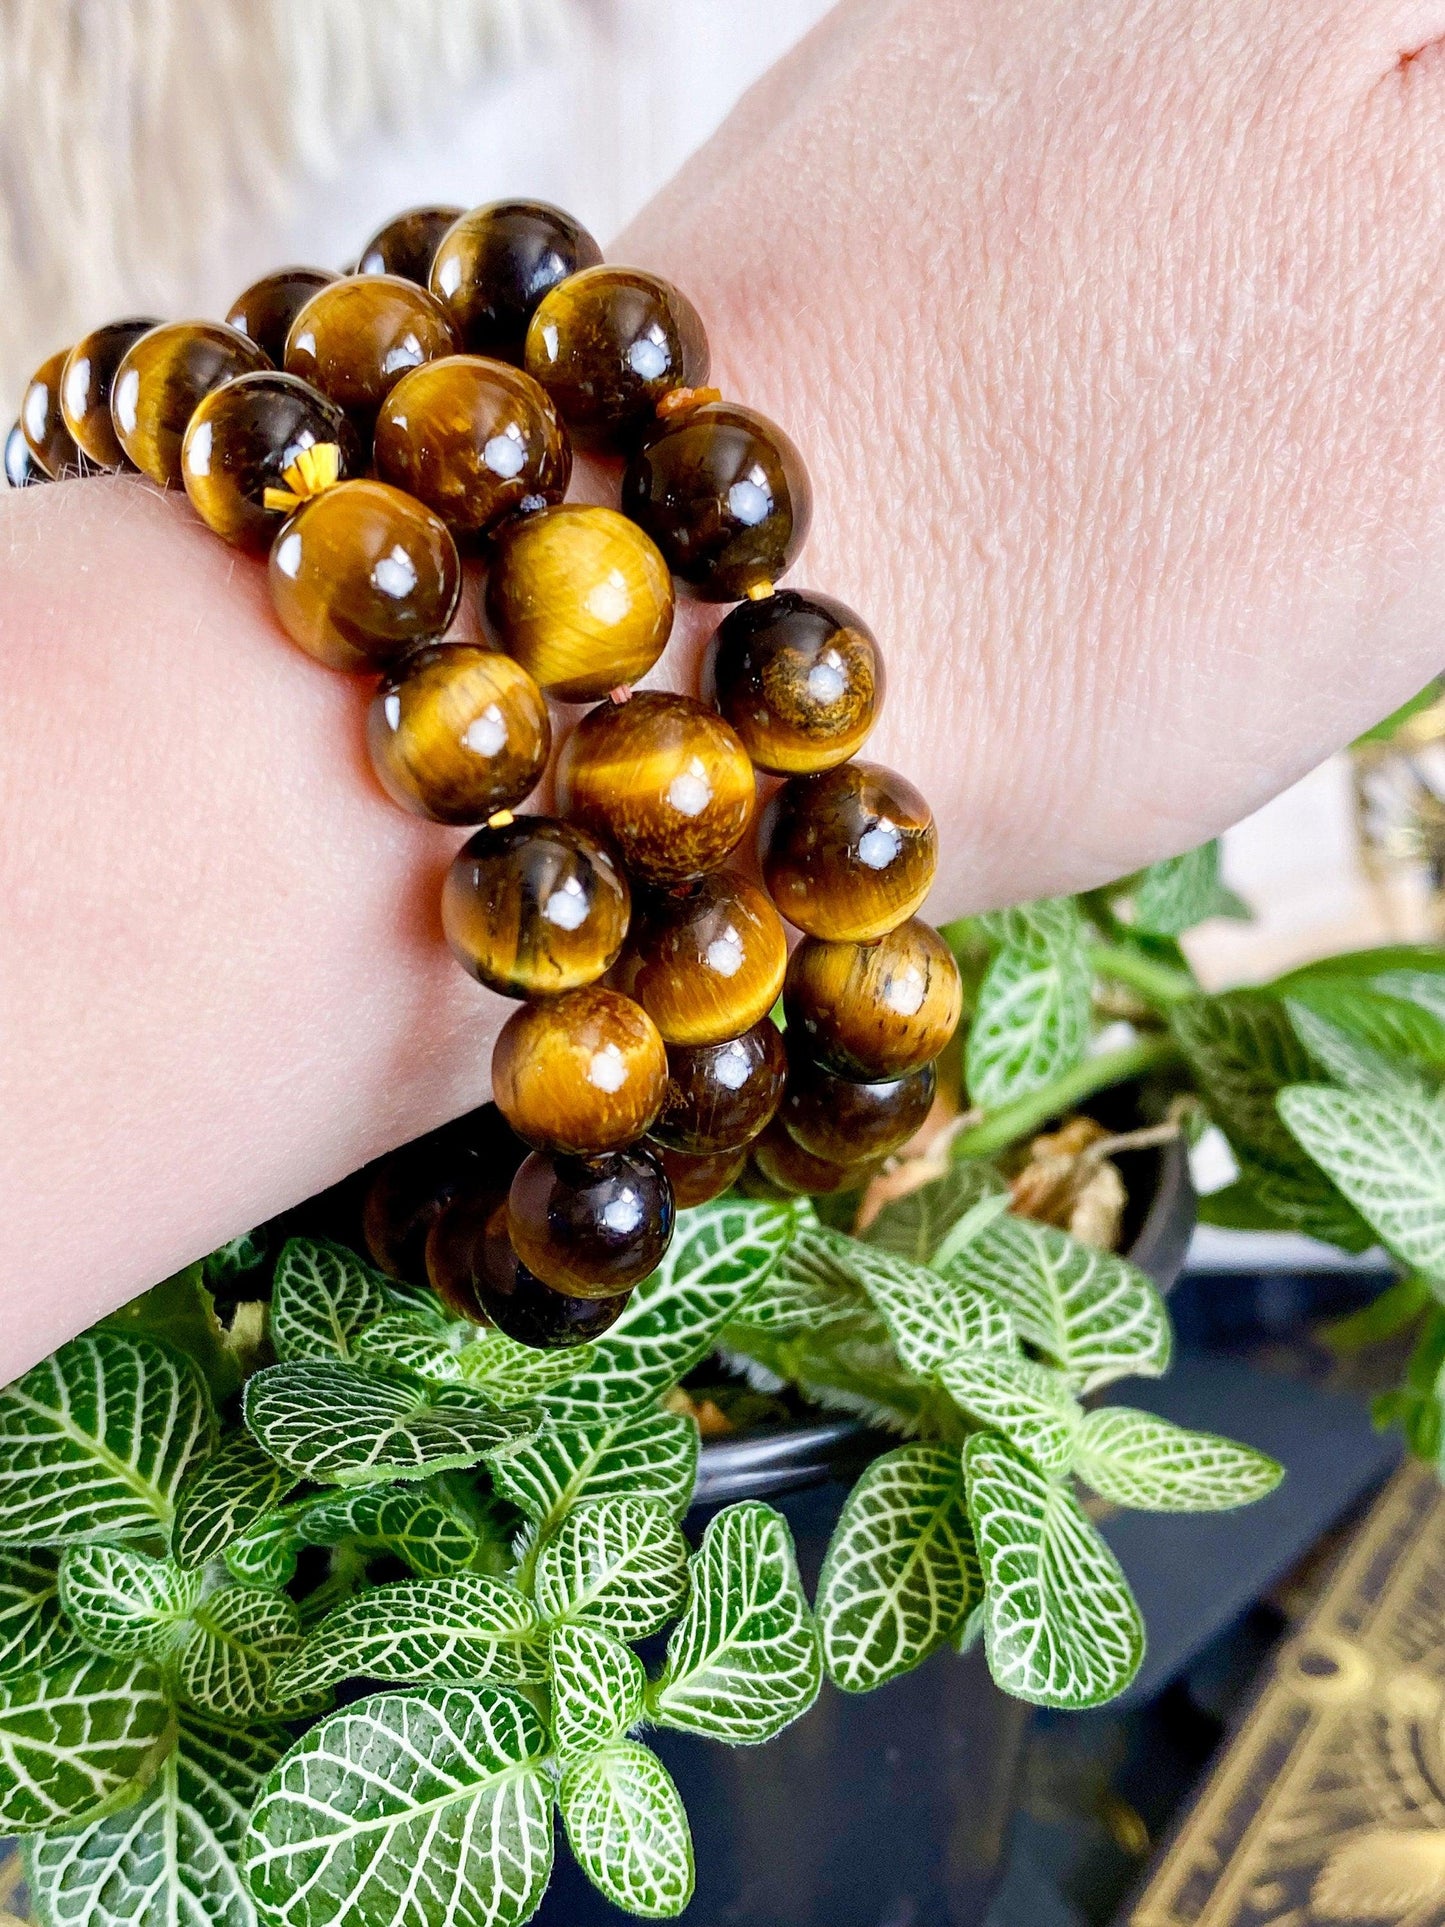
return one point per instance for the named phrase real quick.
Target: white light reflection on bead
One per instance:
(449, 275)
(607, 1071)
(648, 356)
(608, 600)
(305, 342)
(504, 455)
(287, 554)
(826, 680)
(486, 734)
(394, 575)
(391, 709)
(567, 905)
(623, 1214)
(406, 354)
(37, 405)
(903, 991)
(198, 449)
(749, 501)
(731, 1067)
(879, 846)
(123, 398)
(724, 954)
(690, 792)
(549, 339)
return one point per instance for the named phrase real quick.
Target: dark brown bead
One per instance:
(85, 385)
(607, 344)
(582, 1073)
(161, 380)
(707, 961)
(242, 439)
(591, 1227)
(268, 307)
(800, 679)
(845, 1122)
(458, 732)
(407, 243)
(666, 781)
(21, 468)
(720, 1096)
(535, 907)
(697, 1177)
(477, 1275)
(356, 338)
(849, 854)
(362, 573)
(407, 1190)
(788, 1167)
(473, 439)
(725, 496)
(497, 262)
(43, 423)
(873, 1010)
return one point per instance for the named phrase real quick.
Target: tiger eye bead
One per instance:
(266, 309)
(591, 1227)
(800, 679)
(43, 423)
(706, 962)
(789, 1168)
(243, 437)
(477, 1275)
(849, 854)
(458, 732)
(582, 597)
(582, 1073)
(720, 1096)
(356, 337)
(874, 1010)
(85, 386)
(497, 262)
(845, 1122)
(408, 1189)
(607, 344)
(21, 468)
(474, 440)
(697, 1177)
(666, 781)
(725, 496)
(535, 907)
(361, 573)
(407, 244)
(161, 380)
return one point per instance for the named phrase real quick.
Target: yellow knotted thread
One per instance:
(315, 469)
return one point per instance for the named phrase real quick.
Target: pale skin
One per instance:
(1112, 332)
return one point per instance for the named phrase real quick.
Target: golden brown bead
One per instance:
(242, 439)
(356, 337)
(607, 344)
(696, 1177)
(788, 1167)
(582, 597)
(408, 1189)
(874, 1010)
(666, 781)
(160, 381)
(583, 1073)
(458, 732)
(474, 440)
(845, 1122)
(497, 262)
(362, 573)
(267, 308)
(407, 244)
(706, 962)
(535, 907)
(85, 385)
(849, 854)
(800, 679)
(477, 1275)
(43, 424)
(591, 1227)
(720, 1096)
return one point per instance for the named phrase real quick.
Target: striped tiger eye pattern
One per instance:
(582, 1073)
(607, 344)
(844, 1122)
(160, 382)
(800, 678)
(849, 854)
(497, 262)
(535, 907)
(241, 440)
(267, 308)
(871, 1010)
(43, 423)
(477, 1275)
(787, 1167)
(407, 244)
(458, 733)
(720, 1096)
(356, 338)
(591, 1227)
(85, 387)
(706, 962)
(697, 1177)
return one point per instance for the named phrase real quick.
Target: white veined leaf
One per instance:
(512, 1373)
(1423, 987)
(1134, 1459)
(445, 1632)
(266, 1554)
(628, 1830)
(418, 1303)
(1030, 1404)
(1388, 1157)
(424, 1809)
(78, 1741)
(418, 1520)
(224, 1495)
(235, 1259)
(1094, 1315)
(652, 1456)
(969, 1228)
(322, 1298)
(1048, 923)
(930, 1317)
(229, 1650)
(597, 1688)
(1060, 1625)
(809, 1289)
(743, 1661)
(721, 1255)
(34, 1636)
(915, 1225)
(1357, 1067)
(123, 1603)
(343, 1425)
(620, 1564)
(171, 1858)
(901, 1574)
(1399, 1028)
(395, 1340)
(96, 1439)
(1172, 896)
(1030, 1023)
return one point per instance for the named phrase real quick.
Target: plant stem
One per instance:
(1157, 983)
(1025, 1114)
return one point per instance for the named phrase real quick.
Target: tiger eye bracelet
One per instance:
(369, 434)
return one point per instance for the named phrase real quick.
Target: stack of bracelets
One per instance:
(367, 430)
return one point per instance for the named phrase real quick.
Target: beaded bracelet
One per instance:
(368, 429)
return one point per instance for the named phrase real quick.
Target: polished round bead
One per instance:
(43, 423)
(582, 1073)
(85, 385)
(872, 1010)
(357, 337)
(666, 781)
(497, 262)
(407, 1190)
(591, 1226)
(582, 597)
(842, 1121)
(800, 679)
(473, 439)
(720, 1096)
(361, 573)
(607, 344)
(849, 854)
(725, 496)
(161, 380)
(697, 1177)
(267, 308)
(788, 1167)
(706, 961)
(458, 732)
(21, 468)
(477, 1275)
(407, 244)
(535, 907)
(242, 439)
